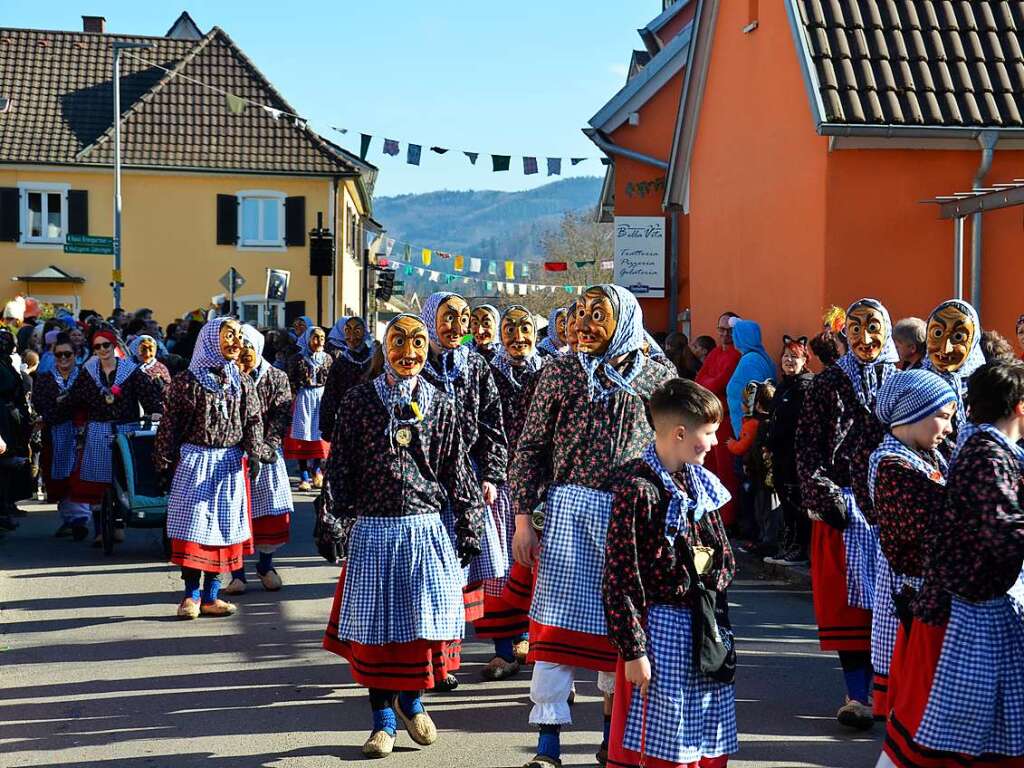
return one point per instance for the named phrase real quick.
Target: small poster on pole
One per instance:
(640, 255)
(277, 284)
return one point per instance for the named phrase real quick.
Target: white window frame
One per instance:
(260, 302)
(44, 188)
(262, 245)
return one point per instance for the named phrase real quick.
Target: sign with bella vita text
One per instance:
(640, 255)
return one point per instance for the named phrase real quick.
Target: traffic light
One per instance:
(385, 284)
(321, 253)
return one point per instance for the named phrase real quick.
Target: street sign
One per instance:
(277, 284)
(225, 280)
(398, 289)
(88, 244)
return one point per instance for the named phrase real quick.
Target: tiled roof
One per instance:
(59, 84)
(920, 63)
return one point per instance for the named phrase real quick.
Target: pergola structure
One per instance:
(958, 207)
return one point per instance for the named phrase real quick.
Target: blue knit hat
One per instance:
(909, 396)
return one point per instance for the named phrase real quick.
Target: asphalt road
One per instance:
(95, 670)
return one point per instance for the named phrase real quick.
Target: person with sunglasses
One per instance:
(61, 426)
(114, 392)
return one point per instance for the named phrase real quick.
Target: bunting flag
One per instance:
(389, 245)
(275, 114)
(524, 269)
(391, 147)
(425, 256)
(510, 270)
(556, 266)
(459, 262)
(472, 157)
(529, 166)
(475, 264)
(364, 144)
(236, 104)
(489, 285)
(438, 150)
(434, 276)
(444, 254)
(554, 166)
(582, 264)
(501, 162)
(570, 289)
(413, 157)
(576, 160)
(522, 289)
(608, 264)
(492, 267)
(408, 270)
(408, 253)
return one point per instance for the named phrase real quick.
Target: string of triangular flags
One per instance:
(236, 105)
(499, 163)
(411, 260)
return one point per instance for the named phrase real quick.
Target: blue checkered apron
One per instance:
(884, 621)
(207, 503)
(860, 539)
(96, 453)
(492, 562)
(689, 715)
(64, 441)
(271, 493)
(306, 415)
(568, 590)
(976, 705)
(402, 582)
(504, 521)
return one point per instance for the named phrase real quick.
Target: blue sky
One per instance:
(517, 78)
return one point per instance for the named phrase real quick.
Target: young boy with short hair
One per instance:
(665, 526)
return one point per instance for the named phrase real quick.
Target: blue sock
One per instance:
(211, 587)
(385, 720)
(503, 648)
(192, 585)
(410, 703)
(549, 743)
(856, 684)
(239, 574)
(607, 730)
(265, 564)
(305, 475)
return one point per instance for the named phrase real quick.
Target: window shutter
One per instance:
(78, 212)
(295, 221)
(10, 224)
(227, 220)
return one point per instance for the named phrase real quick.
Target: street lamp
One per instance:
(116, 85)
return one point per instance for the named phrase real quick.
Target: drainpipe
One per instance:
(611, 148)
(673, 275)
(987, 140)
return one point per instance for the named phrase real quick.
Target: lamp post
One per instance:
(116, 85)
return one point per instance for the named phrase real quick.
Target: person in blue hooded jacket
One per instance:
(755, 365)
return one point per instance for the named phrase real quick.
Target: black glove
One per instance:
(835, 513)
(468, 552)
(254, 471)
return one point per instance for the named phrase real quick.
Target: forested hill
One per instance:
(485, 224)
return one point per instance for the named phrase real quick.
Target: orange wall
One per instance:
(653, 136)
(757, 191)
(881, 241)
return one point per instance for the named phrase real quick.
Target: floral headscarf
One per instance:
(133, 349)
(629, 337)
(550, 342)
(362, 354)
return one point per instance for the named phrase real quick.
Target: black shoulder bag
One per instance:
(714, 651)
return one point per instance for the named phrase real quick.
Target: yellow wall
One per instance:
(170, 257)
(349, 271)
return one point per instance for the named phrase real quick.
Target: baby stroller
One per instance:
(134, 499)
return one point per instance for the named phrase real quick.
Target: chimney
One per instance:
(95, 24)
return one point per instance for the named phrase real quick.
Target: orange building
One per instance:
(635, 129)
(807, 137)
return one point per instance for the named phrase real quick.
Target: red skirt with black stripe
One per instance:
(271, 530)
(305, 449)
(841, 627)
(413, 666)
(507, 615)
(189, 554)
(618, 755)
(575, 649)
(473, 599)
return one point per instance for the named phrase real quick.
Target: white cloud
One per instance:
(619, 70)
